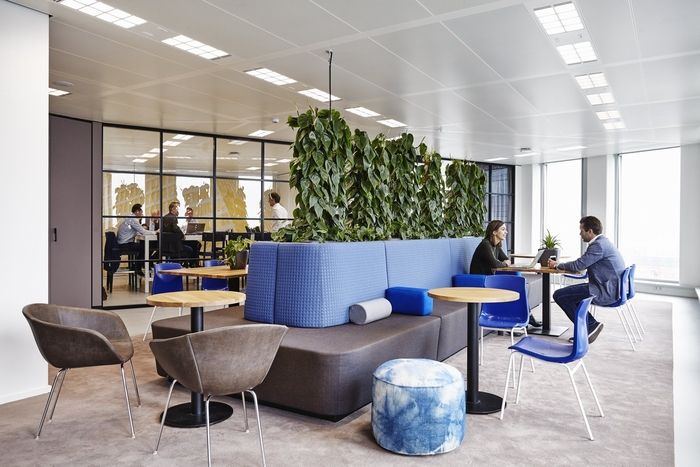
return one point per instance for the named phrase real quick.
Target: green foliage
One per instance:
(465, 210)
(550, 241)
(322, 150)
(431, 199)
(403, 185)
(235, 246)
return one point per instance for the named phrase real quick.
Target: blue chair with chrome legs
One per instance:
(633, 311)
(209, 283)
(559, 353)
(163, 283)
(620, 306)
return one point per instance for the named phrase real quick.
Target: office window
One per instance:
(649, 213)
(562, 204)
(499, 198)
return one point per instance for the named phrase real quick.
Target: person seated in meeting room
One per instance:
(170, 226)
(127, 231)
(194, 244)
(489, 255)
(604, 265)
(189, 215)
(278, 212)
(154, 221)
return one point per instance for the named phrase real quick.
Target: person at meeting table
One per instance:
(489, 255)
(278, 212)
(604, 265)
(194, 244)
(127, 231)
(189, 215)
(154, 221)
(170, 226)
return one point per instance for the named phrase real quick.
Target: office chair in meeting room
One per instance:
(195, 361)
(630, 305)
(620, 306)
(557, 352)
(70, 337)
(163, 283)
(209, 283)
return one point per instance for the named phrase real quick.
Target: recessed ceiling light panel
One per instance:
(195, 47)
(183, 137)
(592, 80)
(580, 52)
(319, 95)
(608, 115)
(57, 92)
(618, 125)
(391, 123)
(270, 76)
(494, 159)
(104, 12)
(261, 133)
(172, 143)
(599, 99)
(362, 112)
(559, 18)
(237, 142)
(571, 148)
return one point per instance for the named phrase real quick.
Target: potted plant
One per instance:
(236, 252)
(550, 243)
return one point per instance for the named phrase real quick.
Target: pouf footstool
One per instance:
(418, 407)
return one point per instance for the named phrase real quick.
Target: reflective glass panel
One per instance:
(238, 158)
(187, 154)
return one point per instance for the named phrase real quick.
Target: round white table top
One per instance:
(473, 294)
(190, 298)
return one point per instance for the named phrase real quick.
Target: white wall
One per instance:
(599, 191)
(690, 216)
(527, 208)
(24, 55)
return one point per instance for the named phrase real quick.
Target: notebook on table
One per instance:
(534, 261)
(194, 228)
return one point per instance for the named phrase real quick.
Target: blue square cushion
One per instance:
(409, 300)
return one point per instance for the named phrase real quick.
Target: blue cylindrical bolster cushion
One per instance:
(409, 300)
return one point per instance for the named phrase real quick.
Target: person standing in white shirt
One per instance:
(279, 213)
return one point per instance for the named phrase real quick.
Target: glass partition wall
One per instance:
(225, 181)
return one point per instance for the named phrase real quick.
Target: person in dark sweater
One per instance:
(489, 254)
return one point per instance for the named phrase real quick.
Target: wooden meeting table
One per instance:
(547, 329)
(191, 415)
(477, 402)
(213, 272)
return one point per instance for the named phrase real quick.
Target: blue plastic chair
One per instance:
(162, 284)
(557, 352)
(507, 316)
(630, 306)
(214, 284)
(620, 306)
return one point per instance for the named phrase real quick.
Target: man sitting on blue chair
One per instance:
(604, 264)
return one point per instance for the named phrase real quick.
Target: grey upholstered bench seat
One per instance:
(327, 372)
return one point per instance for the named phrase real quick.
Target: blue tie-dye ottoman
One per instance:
(417, 406)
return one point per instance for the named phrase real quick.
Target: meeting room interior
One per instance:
(269, 215)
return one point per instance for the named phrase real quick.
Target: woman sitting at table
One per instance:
(489, 254)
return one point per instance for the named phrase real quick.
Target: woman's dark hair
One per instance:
(493, 226)
(135, 207)
(592, 223)
(274, 196)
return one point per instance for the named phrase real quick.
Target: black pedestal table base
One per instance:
(182, 416)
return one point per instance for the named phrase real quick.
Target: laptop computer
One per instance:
(194, 228)
(534, 261)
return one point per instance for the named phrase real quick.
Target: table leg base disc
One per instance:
(488, 403)
(181, 416)
(555, 331)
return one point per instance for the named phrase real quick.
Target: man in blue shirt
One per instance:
(604, 265)
(127, 232)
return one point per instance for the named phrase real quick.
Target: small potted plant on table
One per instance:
(550, 243)
(236, 252)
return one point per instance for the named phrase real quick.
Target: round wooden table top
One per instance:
(212, 272)
(190, 298)
(474, 294)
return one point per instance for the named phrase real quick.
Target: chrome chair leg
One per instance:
(623, 320)
(206, 412)
(505, 390)
(136, 386)
(634, 311)
(245, 412)
(126, 398)
(257, 415)
(58, 393)
(165, 412)
(532, 360)
(150, 320)
(48, 402)
(590, 385)
(578, 399)
(520, 379)
(635, 319)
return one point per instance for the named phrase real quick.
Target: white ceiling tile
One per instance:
(437, 52)
(673, 78)
(510, 41)
(626, 83)
(73, 65)
(438, 7)
(498, 99)
(555, 93)
(669, 114)
(667, 27)
(371, 14)
(611, 28)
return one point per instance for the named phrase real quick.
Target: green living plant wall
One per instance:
(353, 188)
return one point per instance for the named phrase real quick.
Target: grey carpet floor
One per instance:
(90, 426)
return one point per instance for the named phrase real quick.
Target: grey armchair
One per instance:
(220, 362)
(70, 337)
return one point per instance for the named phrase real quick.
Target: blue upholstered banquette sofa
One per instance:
(324, 365)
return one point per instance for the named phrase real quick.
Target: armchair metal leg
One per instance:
(580, 404)
(636, 316)
(136, 386)
(590, 385)
(505, 390)
(520, 379)
(165, 413)
(58, 393)
(257, 415)
(206, 412)
(48, 401)
(245, 412)
(150, 320)
(625, 326)
(126, 398)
